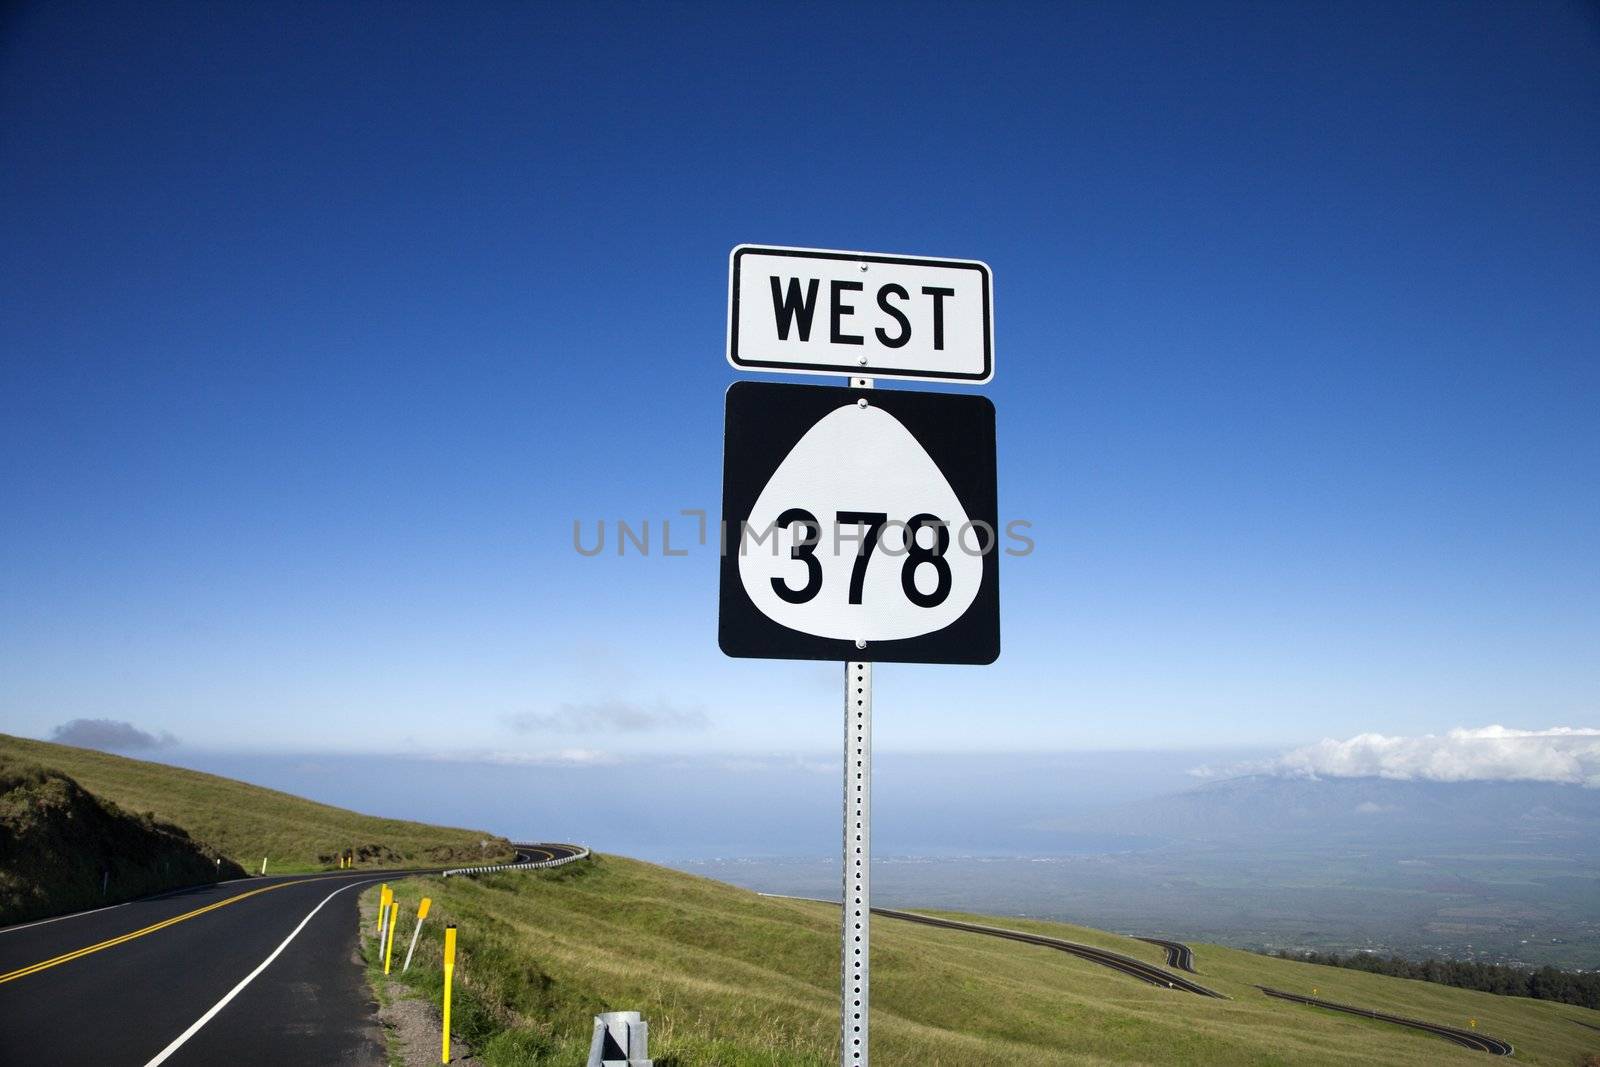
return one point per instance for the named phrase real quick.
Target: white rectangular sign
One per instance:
(818, 311)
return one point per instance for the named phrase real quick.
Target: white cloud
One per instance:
(1564, 754)
(769, 764)
(610, 716)
(560, 757)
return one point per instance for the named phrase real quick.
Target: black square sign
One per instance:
(860, 524)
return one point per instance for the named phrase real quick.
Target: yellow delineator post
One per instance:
(388, 941)
(422, 913)
(449, 978)
(385, 895)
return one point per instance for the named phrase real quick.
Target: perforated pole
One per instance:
(857, 862)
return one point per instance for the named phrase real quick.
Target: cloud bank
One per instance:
(610, 716)
(558, 757)
(1565, 754)
(111, 735)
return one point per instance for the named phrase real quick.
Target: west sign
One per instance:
(820, 311)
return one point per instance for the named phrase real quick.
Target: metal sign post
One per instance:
(857, 969)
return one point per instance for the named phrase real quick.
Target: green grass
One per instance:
(246, 822)
(727, 977)
(63, 849)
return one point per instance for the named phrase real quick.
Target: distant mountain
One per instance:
(1262, 809)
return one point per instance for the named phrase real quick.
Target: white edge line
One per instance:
(109, 907)
(58, 918)
(194, 1027)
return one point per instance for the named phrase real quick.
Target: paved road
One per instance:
(260, 971)
(1468, 1038)
(1136, 968)
(1179, 955)
(1128, 965)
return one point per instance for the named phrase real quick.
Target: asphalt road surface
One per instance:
(1128, 965)
(1466, 1038)
(259, 971)
(1179, 955)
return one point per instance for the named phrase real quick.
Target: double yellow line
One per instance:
(44, 965)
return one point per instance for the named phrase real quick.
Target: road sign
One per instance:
(817, 311)
(861, 524)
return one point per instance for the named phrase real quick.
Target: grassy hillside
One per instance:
(63, 849)
(246, 822)
(728, 977)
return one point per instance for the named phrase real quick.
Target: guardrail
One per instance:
(579, 854)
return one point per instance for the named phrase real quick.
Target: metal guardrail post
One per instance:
(621, 1039)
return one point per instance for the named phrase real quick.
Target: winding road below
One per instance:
(1179, 955)
(1466, 1038)
(1136, 968)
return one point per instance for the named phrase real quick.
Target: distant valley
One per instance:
(1493, 871)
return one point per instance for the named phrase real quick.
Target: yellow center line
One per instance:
(23, 972)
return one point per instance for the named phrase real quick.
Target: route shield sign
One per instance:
(819, 311)
(859, 524)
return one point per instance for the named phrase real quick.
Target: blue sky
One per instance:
(320, 325)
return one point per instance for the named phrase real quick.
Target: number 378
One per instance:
(871, 524)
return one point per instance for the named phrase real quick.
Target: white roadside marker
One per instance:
(422, 913)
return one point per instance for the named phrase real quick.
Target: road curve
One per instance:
(258, 971)
(1128, 965)
(538, 851)
(1466, 1038)
(1179, 955)
(529, 856)
(1145, 972)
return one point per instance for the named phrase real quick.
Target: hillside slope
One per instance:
(63, 849)
(247, 822)
(727, 977)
